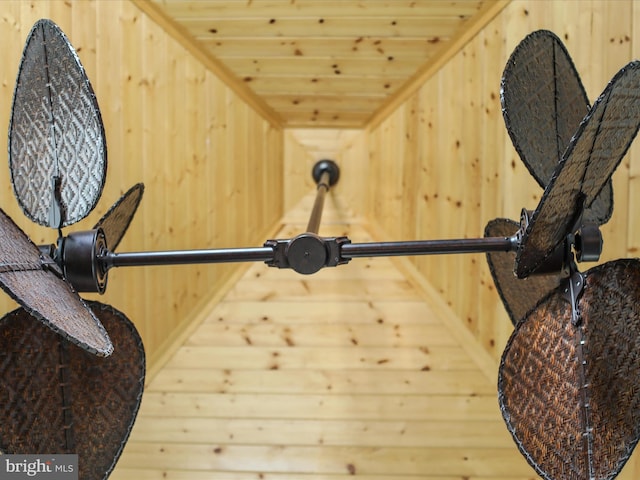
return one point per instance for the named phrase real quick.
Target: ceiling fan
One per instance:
(54, 396)
(568, 378)
(82, 366)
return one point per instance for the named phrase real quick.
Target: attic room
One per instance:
(383, 368)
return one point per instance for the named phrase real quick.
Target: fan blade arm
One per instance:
(431, 247)
(307, 253)
(184, 257)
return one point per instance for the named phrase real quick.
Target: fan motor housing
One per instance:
(79, 255)
(589, 243)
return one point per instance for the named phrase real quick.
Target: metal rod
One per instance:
(429, 247)
(348, 250)
(184, 257)
(316, 213)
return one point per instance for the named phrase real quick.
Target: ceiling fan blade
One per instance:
(116, 221)
(57, 146)
(519, 296)
(594, 153)
(35, 281)
(569, 393)
(543, 102)
(54, 397)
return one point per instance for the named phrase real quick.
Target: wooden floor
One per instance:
(346, 372)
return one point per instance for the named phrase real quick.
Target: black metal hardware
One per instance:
(326, 166)
(429, 247)
(86, 259)
(572, 290)
(185, 257)
(79, 256)
(307, 253)
(588, 243)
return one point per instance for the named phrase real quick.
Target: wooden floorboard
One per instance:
(391, 406)
(345, 373)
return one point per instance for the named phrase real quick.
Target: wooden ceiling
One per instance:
(322, 63)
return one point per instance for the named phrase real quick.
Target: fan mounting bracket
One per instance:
(572, 291)
(307, 253)
(586, 242)
(326, 166)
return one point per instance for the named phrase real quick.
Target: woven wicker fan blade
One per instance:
(518, 295)
(35, 281)
(569, 394)
(56, 131)
(116, 221)
(56, 398)
(543, 102)
(594, 153)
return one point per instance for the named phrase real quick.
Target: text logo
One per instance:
(49, 467)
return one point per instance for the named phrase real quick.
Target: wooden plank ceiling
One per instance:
(323, 63)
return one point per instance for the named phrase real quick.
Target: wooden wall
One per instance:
(441, 164)
(212, 166)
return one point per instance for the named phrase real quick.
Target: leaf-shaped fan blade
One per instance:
(569, 393)
(55, 132)
(116, 221)
(518, 295)
(594, 153)
(543, 103)
(54, 397)
(35, 281)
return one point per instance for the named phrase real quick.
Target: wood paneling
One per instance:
(212, 166)
(298, 163)
(442, 164)
(346, 372)
(349, 372)
(292, 52)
